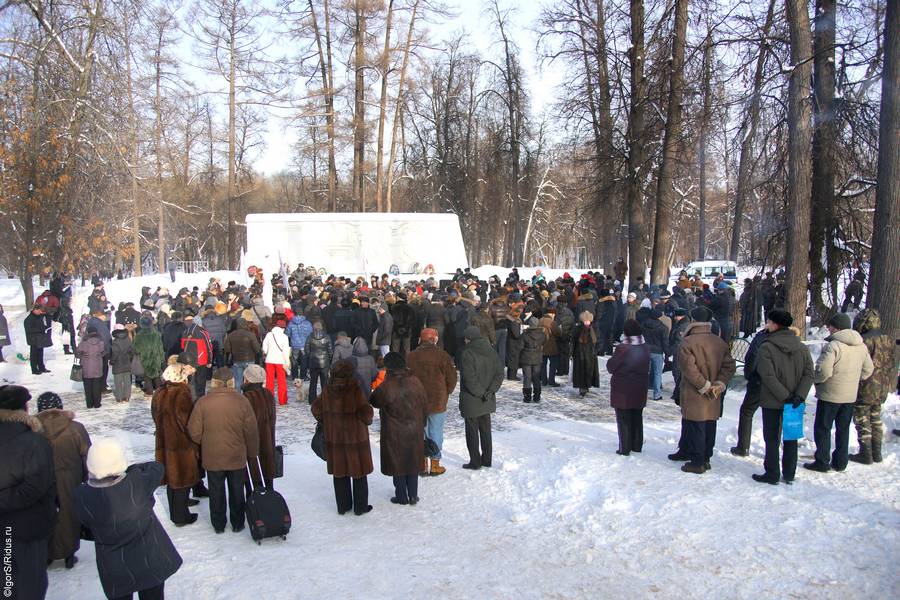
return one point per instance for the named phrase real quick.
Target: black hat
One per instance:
(394, 361)
(13, 397)
(701, 314)
(840, 321)
(780, 317)
(681, 312)
(49, 400)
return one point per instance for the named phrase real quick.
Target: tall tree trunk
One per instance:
(392, 155)
(662, 232)
(823, 226)
(157, 149)
(705, 119)
(133, 148)
(751, 123)
(799, 161)
(232, 110)
(328, 93)
(382, 108)
(884, 277)
(637, 255)
(359, 107)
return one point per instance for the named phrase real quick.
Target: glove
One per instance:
(797, 400)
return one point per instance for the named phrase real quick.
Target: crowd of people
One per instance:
(215, 364)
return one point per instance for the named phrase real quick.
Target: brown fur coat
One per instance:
(171, 408)
(346, 415)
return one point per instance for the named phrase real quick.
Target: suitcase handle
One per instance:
(262, 476)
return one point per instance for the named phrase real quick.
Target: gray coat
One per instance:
(90, 352)
(784, 368)
(480, 376)
(122, 353)
(133, 551)
(385, 329)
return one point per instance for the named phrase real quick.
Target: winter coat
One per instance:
(263, 403)
(343, 320)
(27, 478)
(566, 321)
(401, 400)
(224, 425)
(298, 330)
(151, 354)
(435, 317)
(318, 350)
(133, 551)
(345, 417)
(4, 332)
(104, 331)
(276, 348)
(122, 352)
(37, 330)
(532, 345)
(656, 336)
(585, 372)
(171, 337)
(385, 329)
(722, 306)
(364, 366)
(606, 313)
(171, 409)
(783, 368)
(404, 319)
(434, 369)
(70, 442)
(480, 376)
(91, 352)
(703, 359)
(751, 362)
(514, 342)
(243, 345)
(551, 334)
(343, 349)
(197, 338)
(216, 326)
(676, 335)
(844, 361)
(631, 310)
(630, 370)
(485, 325)
(884, 354)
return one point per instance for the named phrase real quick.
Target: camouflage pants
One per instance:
(868, 424)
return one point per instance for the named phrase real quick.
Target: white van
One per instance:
(708, 269)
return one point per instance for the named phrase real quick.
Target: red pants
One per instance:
(273, 371)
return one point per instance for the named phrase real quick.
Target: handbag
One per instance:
(431, 449)
(279, 461)
(792, 423)
(75, 374)
(318, 441)
(137, 368)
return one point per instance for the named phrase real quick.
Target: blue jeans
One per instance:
(656, 371)
(434, 430)
(502, 334)
(238, 370)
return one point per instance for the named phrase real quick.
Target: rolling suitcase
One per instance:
(267, 512)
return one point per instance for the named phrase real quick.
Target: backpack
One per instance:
(194, 346)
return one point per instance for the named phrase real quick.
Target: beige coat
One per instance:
(843, 363)
(224, 425)
(704, 358)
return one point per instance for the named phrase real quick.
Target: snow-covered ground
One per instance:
(559, 515)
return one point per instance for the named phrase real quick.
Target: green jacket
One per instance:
(784, 367)
(148, 346)
(480, 376)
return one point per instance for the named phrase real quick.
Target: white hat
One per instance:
(106, 458)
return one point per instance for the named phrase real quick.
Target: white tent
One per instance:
(355, 243)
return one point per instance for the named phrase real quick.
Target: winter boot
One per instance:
(537, 396)
(691, 468)
(876, 452)
(424, 472)
(526, 392)
(864, 456)
(679, 456)
(436, 468)
(67, 349)
(738, 451)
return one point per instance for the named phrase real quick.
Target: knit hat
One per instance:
(840, 321)
(13, 397)
(394, 361)
(780, 317)
(722, 286)
(254, 374)
(106, 458)
(177, 373)
(701, 314)
(429, 335)
(472, 333)
(224, 375)
(49, 400)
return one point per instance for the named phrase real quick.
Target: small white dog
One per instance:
(302, 390)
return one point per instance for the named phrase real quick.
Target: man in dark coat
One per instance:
(27, 494)
(530, 359)
(172, 334)
(435, 315)
(480, 375)
(606, 318)
(401, 400)
(722, 307)
(656, 336)
(751, 396)
(854, 293)
(404, 323)
(37, 335)
(749, 308)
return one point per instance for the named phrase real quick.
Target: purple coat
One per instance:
(90, 352)
(630, 369)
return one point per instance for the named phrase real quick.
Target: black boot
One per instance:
(876, 451)
(537, 396)
(70, 561)
(864, 456)
(526, 393)
(67, 349)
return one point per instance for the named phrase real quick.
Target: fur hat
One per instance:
(586, 316)
(780, 317)
(13, 397)
(49, 400)
(106, 458)
(429, 335)
(177, 372)
(701, 314)
(223, 376)
(247, 315)
(221, 308)
(394, 361)
(254, 374)
(840, 321)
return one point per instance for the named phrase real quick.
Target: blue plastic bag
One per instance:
(792, 425)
